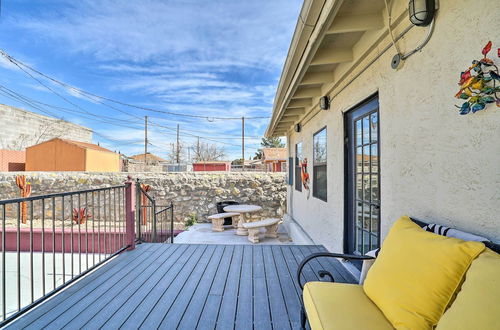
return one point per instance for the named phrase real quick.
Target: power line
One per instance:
(63, 109)
(20, 64)
(30, 103)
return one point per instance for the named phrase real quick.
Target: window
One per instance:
(298, 170)
(319, 165)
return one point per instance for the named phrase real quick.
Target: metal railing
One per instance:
(154, 223)
(50, 241)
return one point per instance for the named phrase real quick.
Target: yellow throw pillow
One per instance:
(416, 274)
(477, 304)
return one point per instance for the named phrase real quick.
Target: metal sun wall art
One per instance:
(478, 84)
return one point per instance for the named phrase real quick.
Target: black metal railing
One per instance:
(49, 241)
(154, 223)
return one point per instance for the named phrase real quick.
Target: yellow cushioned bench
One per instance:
(338, 306)
(420, 280)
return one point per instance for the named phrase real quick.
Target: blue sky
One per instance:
(211, 58)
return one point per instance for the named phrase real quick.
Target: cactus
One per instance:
(25, 188)
(146, 188)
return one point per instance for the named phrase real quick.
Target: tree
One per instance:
(271, 142)
(205, 152)
(172, 153)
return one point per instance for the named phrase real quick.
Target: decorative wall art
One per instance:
(305, 176)
(478, 84)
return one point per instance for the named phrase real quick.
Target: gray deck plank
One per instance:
(156, 314)
(135, 318)
(208, 319)
(116, 302)
(308, 273)
(193, 311)
(186, 287)
(89, 282)
(279, 314)
(292, 265)
(89, 303)
(115, 318)
(292, 300)
(94, 303)
(181, 303)
(244, 310)
(261, 308)
(227, 311)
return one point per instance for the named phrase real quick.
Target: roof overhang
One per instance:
(331, 38)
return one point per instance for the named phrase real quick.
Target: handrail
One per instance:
(152, 223)
(68, 234)
(47, 196)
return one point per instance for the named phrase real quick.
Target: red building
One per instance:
(212, 166)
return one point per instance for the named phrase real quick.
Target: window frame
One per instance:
(297, 167)
(317, 165)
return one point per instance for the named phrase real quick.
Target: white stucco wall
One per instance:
(436, 165)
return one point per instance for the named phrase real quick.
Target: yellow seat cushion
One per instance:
(341, 306)
(477, 304)
(416, 274)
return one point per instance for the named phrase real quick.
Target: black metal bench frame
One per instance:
(323, 273)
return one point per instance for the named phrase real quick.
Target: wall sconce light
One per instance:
(324, 103)
(298, 127)
(421, 11)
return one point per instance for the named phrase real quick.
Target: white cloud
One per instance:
(203, 33)
(217, 58)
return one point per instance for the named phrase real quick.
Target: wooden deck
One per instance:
(181, 286)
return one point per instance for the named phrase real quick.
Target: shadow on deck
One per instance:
(187, 286)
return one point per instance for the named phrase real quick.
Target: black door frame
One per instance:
(366, 106)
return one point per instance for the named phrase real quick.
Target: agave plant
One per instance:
(81, 215)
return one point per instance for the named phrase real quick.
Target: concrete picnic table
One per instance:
(242, 209)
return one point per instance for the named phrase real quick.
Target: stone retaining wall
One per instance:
(192, 193)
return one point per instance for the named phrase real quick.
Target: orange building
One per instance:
(274, 159)
(67, 155)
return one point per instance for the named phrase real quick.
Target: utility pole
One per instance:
(178, 146)
(145, 140)
(243, 143)
(198, 156)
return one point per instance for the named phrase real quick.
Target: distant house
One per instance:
(150, 158)
(12, 160)
(212, 166)
(68, 155)
(274, 159)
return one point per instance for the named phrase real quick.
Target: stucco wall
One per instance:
(436, 165)
(20, 128)
(191, 193)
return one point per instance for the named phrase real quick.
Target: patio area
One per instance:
(187, 286)
(201, 233)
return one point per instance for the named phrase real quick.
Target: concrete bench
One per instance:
(271, 225)
(218, 220)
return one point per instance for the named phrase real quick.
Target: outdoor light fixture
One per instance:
(421, 11)
(298, 127)
(324, 103)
